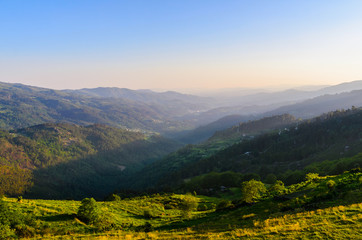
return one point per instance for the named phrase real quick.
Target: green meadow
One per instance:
(318, 208)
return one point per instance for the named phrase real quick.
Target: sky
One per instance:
(201, 44)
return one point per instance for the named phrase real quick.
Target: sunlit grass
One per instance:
(333, 218)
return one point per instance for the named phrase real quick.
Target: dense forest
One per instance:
(71, 161)
(285, 153)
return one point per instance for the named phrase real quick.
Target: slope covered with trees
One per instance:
(254, 127)
(285, 153)
(71, 161)
(191, 154)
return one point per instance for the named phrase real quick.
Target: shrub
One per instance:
(149, 214)
(252, 190)
(277, 188)
(331, 184)
(6, 232)
(202, 207)
(114, 198)
(14, 223)
(24, 231)
(224, 204)
(188, 204)
(88, 211)
(312, 177)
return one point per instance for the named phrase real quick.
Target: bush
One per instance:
(24, 231)
(202, 207)
(331, 184)
(223, 204)
(277, 188)
(88, 211)
(270, 178)
(114, 198)
(149, 214)
(13, 223)
(6, 232)
(189, 203)
(312, 177)
(252, 190)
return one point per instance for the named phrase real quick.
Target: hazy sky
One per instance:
(180, 44)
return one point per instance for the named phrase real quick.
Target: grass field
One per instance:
(308, 211)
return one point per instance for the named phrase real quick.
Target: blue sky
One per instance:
(179, 44)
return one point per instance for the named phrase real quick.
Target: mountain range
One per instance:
(165, 112)
(76, 143)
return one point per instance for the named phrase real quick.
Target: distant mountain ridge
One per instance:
(23, 106)
(309, 108)
(289, 96)
(167, 113)
(141, 95)
(321, 104)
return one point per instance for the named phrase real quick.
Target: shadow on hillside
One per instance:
(57, 218)
(96, 175)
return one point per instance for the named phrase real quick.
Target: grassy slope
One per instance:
(311, 211)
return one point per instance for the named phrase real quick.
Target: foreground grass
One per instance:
(340, 222)
(309, 211)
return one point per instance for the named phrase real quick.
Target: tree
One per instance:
(252, 190)
(270, 178)
(312, 177)
(189, 204)
(331, 184)
(277, 188)
(88, 211)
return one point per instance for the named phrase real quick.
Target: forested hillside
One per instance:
(284, 154)
(194, 153)
(202, 133)
(254, 127)
(70, 161)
